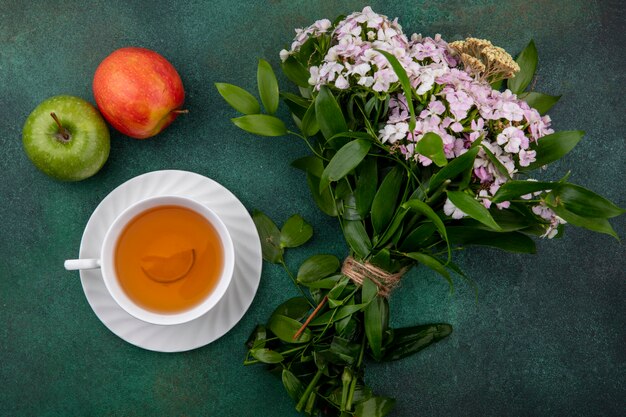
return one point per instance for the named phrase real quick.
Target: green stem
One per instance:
(284, 265)
(354, 380)
(308, 390)
(308, 144)
(286, 352)
(438, 192)
(332, 316)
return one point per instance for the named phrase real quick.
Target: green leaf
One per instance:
(366, 185)
(285, 328)
(257, 338)
(432, 263)
(295, 232)
(516, 218)
(513, 189)
(553, 147)
(527, 61)
(541, 102)
(268, 86)
(317, 267)
(382, 259)
(261, 124)
(511, 242)
(296, 72)
(349, 211)
(346, 349)
(270, 237)
(292, 384)
(586, 203)
(295, 308)
(375, 407)
(361, 393)
(595, 224)
(404, 81)
(376, 317)
(426, 210)
(431, 146)
(325, 283)
(335, 294)
(357, 238)
(311, 164)
(472, 208)
(410, 340)
(497, 85)
(238, 98)
(418, 237)
(340, 139)
(385, 201)
(296, 101)
(323, 199)
(266, 355)
(335, 315)
(454, 168)
(309, 122)
(328, 113)
(394, 227)
(344, 161)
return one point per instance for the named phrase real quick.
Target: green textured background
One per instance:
(545, 338)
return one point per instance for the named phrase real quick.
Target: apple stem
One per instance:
(180, 111)
(63, 135)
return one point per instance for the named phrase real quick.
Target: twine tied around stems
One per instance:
(357, 272)
(385, 281)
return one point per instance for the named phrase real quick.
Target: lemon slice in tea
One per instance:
(168, 268)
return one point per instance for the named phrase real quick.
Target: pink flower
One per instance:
(382, 79)
(482, 174)
(459, 103)
(507, 107)
(513, 138)
(435, 107)
(527, 157)
(456, 127)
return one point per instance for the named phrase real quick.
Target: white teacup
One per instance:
(107, 266)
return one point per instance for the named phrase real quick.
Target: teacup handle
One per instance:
(74, 264)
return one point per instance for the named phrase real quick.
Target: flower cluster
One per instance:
(352, 59)
(461, 110)
(454, 97)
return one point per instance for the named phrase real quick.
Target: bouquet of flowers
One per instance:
(419, 148)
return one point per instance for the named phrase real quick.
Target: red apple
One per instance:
(138, 91)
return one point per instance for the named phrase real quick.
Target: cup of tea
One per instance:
(165, 260)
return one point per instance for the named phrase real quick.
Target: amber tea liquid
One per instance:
(168, 259)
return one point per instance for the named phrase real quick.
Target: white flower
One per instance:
(284, 54)
(341, 83)
(451, 210)
(393, 132)
(315, 75)
(361, 69)
(383, 78)
(366, 81)
(323, 25)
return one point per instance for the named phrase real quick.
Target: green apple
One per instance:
(66, 138)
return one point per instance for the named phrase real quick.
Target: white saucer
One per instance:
(240, 293)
